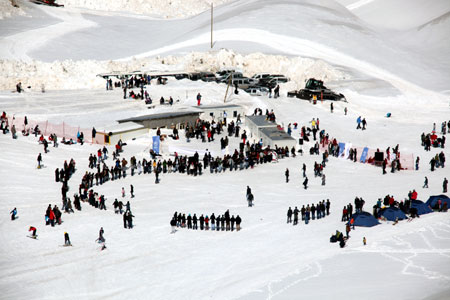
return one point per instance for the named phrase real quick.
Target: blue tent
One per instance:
(433, 200)
(364, 219)
(421, 207)
(392, 213)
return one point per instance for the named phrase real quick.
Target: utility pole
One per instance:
(211, 25)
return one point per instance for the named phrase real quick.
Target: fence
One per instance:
(61, 130)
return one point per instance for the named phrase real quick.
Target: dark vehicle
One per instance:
(316, 88)
(272, 80)
(207, 76)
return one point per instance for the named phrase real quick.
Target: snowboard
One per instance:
(66, 245)
(33, 237)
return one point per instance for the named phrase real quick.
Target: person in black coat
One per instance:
(305, 183)
(194, 220)
(289, 215)
(189, 221)
(57, 175)
(238, 222)
(202, 222)
(232, 220)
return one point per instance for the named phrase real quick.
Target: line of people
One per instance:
(224, 222)
(319, 211)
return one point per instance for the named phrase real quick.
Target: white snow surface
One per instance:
(161, 8)
(7, 9)
(267, 259)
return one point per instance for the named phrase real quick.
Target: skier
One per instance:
(33, 234)
(132, 190)
(66, 239)
(425, 184)
(13, 214)
(444, 185)
(305, 183)
(100, 239)
(286, 173)
(364, 241)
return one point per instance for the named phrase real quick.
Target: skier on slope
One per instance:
(100, 239)
(13, 214)
(33, 229)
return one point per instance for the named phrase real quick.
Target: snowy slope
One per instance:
(267, 259)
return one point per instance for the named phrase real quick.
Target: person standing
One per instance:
(173, 224)
(199, 99)
(425, 184)
(323, 179)
(39, 160)
(331, 107)
(123, 192)
(444, 185)
(101, 239)
(289, 215)
(67, 239)
(358, 121)
(417, 163)
(304, 170)
(286, 173)
(305, 183)
(238, 223)
(132, 190)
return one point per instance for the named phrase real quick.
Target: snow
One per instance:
(7, 9)
(65, 49)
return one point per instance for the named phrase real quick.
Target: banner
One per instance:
(341, 149)
(156, 143)
(347, 150)
(364, 155)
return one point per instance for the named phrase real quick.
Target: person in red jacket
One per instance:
(52, 217)
(414, 195)
(33, 229)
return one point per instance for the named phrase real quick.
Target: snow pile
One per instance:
(164, 8)
(9, 8)
(69, 74)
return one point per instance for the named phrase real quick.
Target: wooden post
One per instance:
(211, 25)
(228, 86)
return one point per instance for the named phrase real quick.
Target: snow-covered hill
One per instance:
(379, 70)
